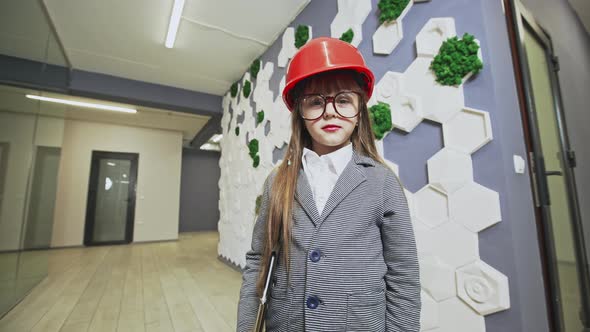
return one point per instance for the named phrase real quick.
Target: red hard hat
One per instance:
(321, 55)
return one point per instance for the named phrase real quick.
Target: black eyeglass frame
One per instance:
(329, 99)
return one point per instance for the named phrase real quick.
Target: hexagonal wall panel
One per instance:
(406, 110)
(453, 243)
(454, 315)
(468, 130)
(448, 169)
(387, 37)
(433, 34)
(483, 288)
(389, 34)
(288, 49)
(351, 15)
(431, 205)
(439, 102)
(429, 312)
(437, 278)
(475, 206)
(406, 113)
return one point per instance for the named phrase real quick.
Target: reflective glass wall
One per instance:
(30, 147)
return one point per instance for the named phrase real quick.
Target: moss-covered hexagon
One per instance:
(347, 36)
(380, 115)
(455, 59)
(301, 35)
(247, 89)
(255, 68)
(259, 117)
(253, 152)
(234, 90)
(390, 10)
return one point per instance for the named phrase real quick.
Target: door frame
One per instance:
(91, 200)
(517, 17)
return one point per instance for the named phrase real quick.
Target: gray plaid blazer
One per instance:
(352, 268)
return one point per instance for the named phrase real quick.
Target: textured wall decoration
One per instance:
(390, 33)
(450, 210)
(483, 288)
(351, 15)
(288, 48)
(458, 289)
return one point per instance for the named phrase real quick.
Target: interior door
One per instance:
(552, 165)
(111, 198)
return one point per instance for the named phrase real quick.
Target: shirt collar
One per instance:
(338, 158)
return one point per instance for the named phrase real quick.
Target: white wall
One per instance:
(158, 182)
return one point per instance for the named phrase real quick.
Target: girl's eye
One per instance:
(344, 100)
(314, 101)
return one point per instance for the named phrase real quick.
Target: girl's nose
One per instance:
(330, 111)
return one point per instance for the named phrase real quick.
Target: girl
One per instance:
(337, 214)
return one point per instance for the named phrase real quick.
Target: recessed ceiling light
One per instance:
(83, 104)
(174, 23)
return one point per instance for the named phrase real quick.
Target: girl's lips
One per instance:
(331, 128)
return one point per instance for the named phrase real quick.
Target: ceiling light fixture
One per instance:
(216, 138)
(174, 23)
(83, 104)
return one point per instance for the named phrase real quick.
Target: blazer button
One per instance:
(312, 302)
(315, 255)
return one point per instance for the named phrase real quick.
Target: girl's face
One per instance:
(331, 130)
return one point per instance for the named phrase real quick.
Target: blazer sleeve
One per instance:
(249, 300)
(402, 279)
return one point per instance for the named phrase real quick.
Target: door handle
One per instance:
(553, 173)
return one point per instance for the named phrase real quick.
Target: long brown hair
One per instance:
(285, 182)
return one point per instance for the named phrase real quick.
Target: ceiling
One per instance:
(216, 41)
(13, 99)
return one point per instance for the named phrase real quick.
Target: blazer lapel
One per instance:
(352, 176)
(304, 196)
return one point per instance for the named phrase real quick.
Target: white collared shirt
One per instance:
(323, 171)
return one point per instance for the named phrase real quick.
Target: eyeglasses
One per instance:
(313, 106)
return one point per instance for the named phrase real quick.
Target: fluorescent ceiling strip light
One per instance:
(216, 138)
(174, 22)
(83, 104)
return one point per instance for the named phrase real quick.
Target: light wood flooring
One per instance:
(176, 286)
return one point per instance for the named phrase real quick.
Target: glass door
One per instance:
(552, 169)
(111, 198)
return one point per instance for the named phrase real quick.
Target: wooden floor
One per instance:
(169, 286)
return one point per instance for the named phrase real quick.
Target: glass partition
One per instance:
(30, 147)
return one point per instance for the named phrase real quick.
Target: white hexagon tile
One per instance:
(389, 34)
(437, 278)
(429, 312)
(483, 288)
(351, 15)
(475, 207)
(431, 206)
(288, 48)
(406, 109)
(433, 34)
(449, 169)
(468, 130)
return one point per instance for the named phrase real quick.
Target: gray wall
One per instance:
(199, 191)
(571, 44)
